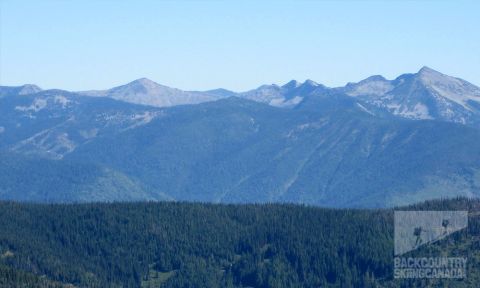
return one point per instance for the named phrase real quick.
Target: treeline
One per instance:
(201, 245)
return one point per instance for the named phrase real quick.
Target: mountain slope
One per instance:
(42, 180)
(300, 142)
(327, 151)
(53, 123)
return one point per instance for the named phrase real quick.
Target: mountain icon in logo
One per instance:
(414, 229)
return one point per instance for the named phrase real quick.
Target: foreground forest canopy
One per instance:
(205, 245)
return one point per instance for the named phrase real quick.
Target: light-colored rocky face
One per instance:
(146, 92)
(427, 94)
(451, 88)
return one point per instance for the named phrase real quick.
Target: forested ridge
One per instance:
(170, 244)
(327, 150)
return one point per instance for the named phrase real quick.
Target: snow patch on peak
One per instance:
(418, 112)
(295, 84)
(140, 119)
(282, 102)
(145, 82)
(37, 105)
(428, 75)
(62, 100)
(89, 133)
(29, 89)
(372, 86)
(365, 109)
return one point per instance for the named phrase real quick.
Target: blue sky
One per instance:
(238, 45)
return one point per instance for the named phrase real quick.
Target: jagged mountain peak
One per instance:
(426, 70)
(292, 84)
(427, 94)
(310, 83)
(429, 75)
(451, 88)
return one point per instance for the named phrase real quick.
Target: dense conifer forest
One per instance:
(205, 245)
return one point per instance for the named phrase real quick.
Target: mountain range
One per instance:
(375, 143)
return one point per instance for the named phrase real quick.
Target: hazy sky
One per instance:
(238, 45)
